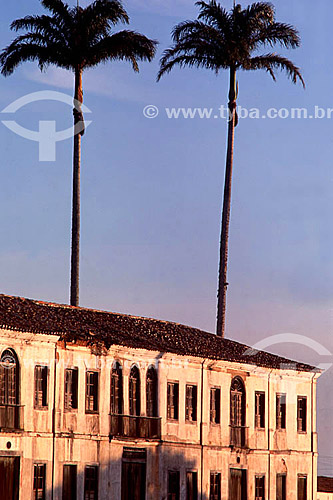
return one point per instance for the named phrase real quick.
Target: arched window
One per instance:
(116, 390)
(237, 403)
(134, 392)
(151, 392)
(9, 378)
(237, 412)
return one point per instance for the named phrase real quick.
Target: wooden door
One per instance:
(9, 478)
(69, 482)
(237, 485)
(133, 481)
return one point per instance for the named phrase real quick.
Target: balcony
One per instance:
(11, 417)
(130, 426)
(238, 436)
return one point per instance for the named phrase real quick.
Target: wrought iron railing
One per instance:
(238, 436)
(135, 427)
(11, 417)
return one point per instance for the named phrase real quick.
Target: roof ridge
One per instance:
(74, 323)
(104, 311)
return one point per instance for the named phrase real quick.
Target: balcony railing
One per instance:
(11, 417)
(131, 426)
(238, 436)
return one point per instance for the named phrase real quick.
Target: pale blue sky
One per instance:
(151, 191)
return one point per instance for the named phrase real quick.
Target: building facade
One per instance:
(97, 405)
(325, 488)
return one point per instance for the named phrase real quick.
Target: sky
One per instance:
(151, 193)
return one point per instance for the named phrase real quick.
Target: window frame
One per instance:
(171, 495)
(194, 474)
(86, 480)
(299, 478)
(260, 410)
(302, 412)
(152, 392)
(74, 394)
(215, 409)
(134, 392)
(36, 467)
(259, 478)
(70, 467)
(237, 403)
(213, 484)
(283, 495)
(281, 416)
(116, 390)
(9, 378)
(95, 374)
(41, 385)
(191, 403)
(173, 401)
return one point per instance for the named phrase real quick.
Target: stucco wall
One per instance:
(79, 438)
(324, 496)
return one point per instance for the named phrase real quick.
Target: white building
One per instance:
(103, 405)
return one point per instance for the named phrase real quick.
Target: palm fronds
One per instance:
(219, 39)
(75, 37)
(270, 62)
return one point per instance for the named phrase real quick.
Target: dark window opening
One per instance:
(71, 388)
(41, 379)
(39, 481)
(281, 487)
(173, 485)
(91, 392)
(173, 401)
(9, 378)
(237, 406)
(91, 482)
(260, 488)
(237, 413)
(280, 411)
(191, 485)
(215, 405)
(301, 487)
(151, 392)
(69, 482)
(117, 390)
(134, 392)
(10, 410)
(260, 410)
(215, 486)
(301, 414)
(191, 403)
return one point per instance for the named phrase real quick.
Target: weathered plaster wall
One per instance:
(83, 439)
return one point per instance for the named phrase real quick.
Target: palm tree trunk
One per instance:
(222, 281)
(75, 255)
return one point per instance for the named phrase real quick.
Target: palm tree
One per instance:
(76, 38)
(220, 40)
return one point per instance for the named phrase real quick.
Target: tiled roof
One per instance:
(107, 328)
(325, 484)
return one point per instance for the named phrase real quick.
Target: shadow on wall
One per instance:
(140, 473)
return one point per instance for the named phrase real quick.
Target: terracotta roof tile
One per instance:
(107, 328)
